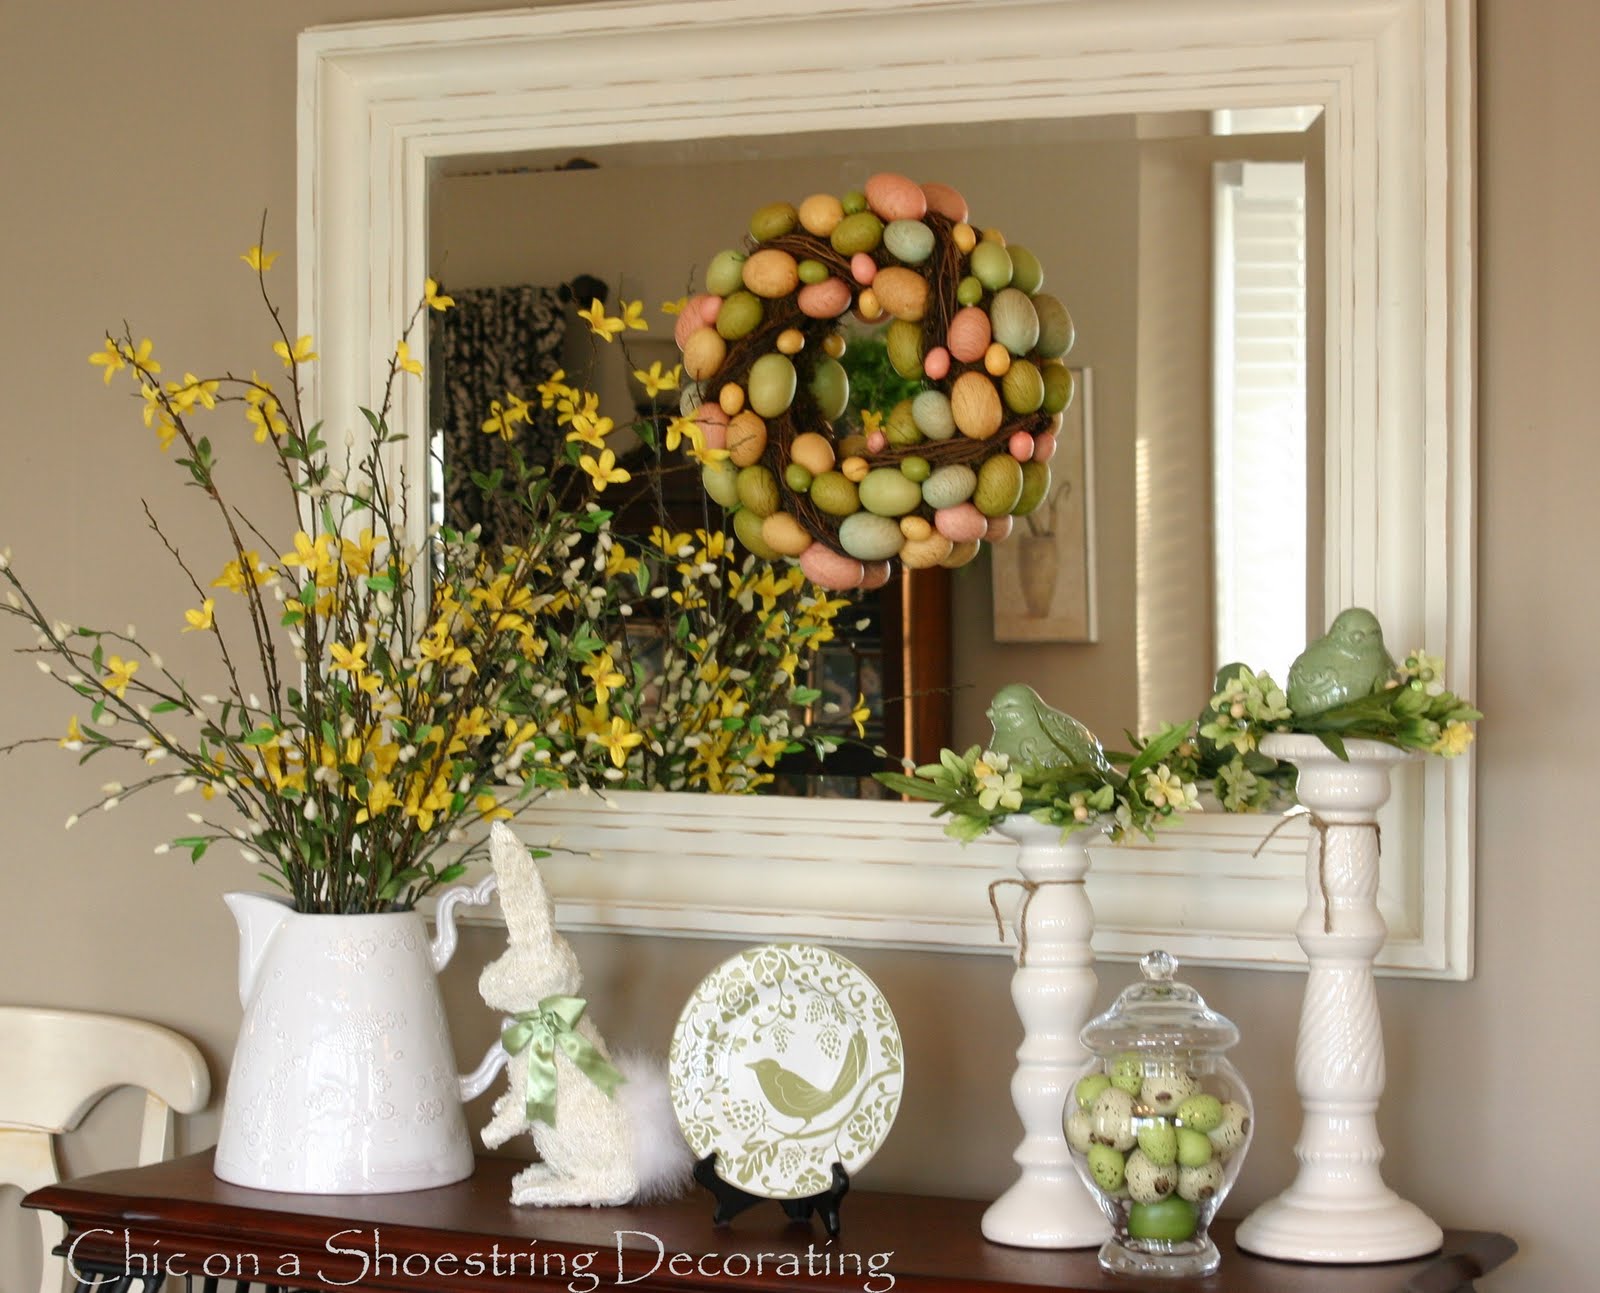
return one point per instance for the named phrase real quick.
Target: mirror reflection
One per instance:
(1184, 526)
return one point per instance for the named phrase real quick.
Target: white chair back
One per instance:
(56, 1065)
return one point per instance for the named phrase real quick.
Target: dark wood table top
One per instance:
(179, 1215)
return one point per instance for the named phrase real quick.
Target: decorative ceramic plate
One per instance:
(786, 1060)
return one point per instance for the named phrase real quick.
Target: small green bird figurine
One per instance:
(1030, 732)
(791, 1095)
(1348, 662)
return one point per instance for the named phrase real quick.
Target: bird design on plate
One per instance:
(1346, 663)
(1033, 733)
(795, 1097)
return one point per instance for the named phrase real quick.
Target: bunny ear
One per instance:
(529, 912)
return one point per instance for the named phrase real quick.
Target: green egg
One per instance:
(1200, 1111)
(991, 265)
(721, 481)
(725, 273)
(917, 469)
(868, 537)
(900, 427)
(861, 231)
(854, 201)
(1058, 387)
(830, 387)
(999, 485)
(903, 340)
(773, 221)
(1173, 1218)
(931, 412)
(1194, 1147)
(1027, 274)
(1158, 1138)
(739, 316)
(1035, 486)
(909, 241)
(951, 484)
(813, 271)
(1022, 387)
(757, 489)
(889, 492)
(1127, 1073)
(1056, 333)
(797, 478)
(1088, 1089)
(969, 291)
(771, 385)
(747, 525)
(1107, 1166)
(1014, 320)
(834, 494)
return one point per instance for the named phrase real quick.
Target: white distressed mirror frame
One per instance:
(384, 106)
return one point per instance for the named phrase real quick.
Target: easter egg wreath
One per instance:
(948, 468)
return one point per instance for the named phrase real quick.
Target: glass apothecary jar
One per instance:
(1158, 1123)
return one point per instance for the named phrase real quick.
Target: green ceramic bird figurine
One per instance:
(1348, 662)
(1030, 732)
(791, 1095)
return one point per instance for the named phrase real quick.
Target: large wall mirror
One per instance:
(1260, 215)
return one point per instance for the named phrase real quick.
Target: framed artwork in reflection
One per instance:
(1043, 575)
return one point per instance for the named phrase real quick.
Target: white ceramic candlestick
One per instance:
(1053, 988)
(1338, 1209)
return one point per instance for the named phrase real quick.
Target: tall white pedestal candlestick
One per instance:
(1053, 989)
(1338, 1209)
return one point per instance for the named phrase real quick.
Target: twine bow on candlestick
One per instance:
(1321, 826)
(553, 1024)
(1029, 888)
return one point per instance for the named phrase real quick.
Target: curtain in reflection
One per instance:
(495, 340)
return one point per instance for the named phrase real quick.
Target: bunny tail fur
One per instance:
(661, 1156)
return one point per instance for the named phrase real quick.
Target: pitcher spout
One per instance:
(259, 916)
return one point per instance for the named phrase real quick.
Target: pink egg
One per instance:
(710, 307)
(693, 317)
(863, 268)
(1021, 446)
(945, 200)
(713, 424)
(1044, 446)
(998, 530)
(877, 442)
(894, 197)
(831, 570)
(936, 364)
(825, 300)
(876, 576)
(962, 523)
(969, 334)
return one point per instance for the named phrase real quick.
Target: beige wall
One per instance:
(142, 143)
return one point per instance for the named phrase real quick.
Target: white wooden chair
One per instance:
(56, 1065)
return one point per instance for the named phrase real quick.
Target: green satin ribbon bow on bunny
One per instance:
(539, 1032)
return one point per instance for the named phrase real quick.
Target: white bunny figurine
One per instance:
(605, 1134)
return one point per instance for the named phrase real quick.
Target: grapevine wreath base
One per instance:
(946, 469)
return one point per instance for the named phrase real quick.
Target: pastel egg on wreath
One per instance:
(936, 364)
(863, 269)
(961, 554)
(902, 342)
(1059, 386)
(791, 341)
(1044, 447)
(868, 308)
(750, 529)
(923, 553)
(740, 315)
(825, 300)
(812, 451)
(975, 405)
(887, 491)
(1021, 446)
(969, 334)
(1000, 482)
(703, 353)
(947, 201)
(833, 345)
(962, 523)
(812, 271)
(713, 422)
(969, 291)
(916, 468)
(964, 236)
(853, 201)
(771, 273)
(831, 570)
(915, 528)
(1012, 318)
(830, 388)
(797, 478)
(991, 264)
(1056, 331)
(894, 197)
(867, 536)
(854, 469)
(785, 535)
(1027, 274)
(834, 493)
(691, 395)
(1022, 387)
(910, 241)
(900, 427)
(877, 442)
(725, 273)
(950, 484)
(771, 384)
(998, 530)
(773, 221)
(902, 292)
(720, 479)
(730, 399)
(996, 360)
(874, 575)
(1035, 487)
(860, 232)
(693, 317)
(820, 214)
(931, 412)
(747, 438)
(757, 489)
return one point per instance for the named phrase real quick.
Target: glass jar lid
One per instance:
(1158, 1014)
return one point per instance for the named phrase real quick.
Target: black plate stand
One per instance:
(731, 1200)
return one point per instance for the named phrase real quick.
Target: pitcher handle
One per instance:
(445, 938)
(475, 1083)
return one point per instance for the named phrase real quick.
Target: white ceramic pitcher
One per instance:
(344, 1078)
